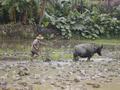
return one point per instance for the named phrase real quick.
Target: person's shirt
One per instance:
(36, 45)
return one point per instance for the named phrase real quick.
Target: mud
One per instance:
(60, 75)
(101, 73)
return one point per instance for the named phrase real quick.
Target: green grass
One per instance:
(52, 53)
(59, 56)
(103, 41)
(109, 42)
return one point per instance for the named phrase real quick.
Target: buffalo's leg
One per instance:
(75, 57)
(88, 59)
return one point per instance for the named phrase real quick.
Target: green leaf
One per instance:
(28, 0)
(63, 33)
(58, 26)
(72, 22)
(63, 30)
(67, 27)
(62, 27)
(95, 35)
(83, 34)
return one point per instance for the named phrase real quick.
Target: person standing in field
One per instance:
(36, 46)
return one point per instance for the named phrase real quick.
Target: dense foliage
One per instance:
(90, 24)
(24, 11)
(69, 18)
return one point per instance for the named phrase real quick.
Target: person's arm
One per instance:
(43, 43)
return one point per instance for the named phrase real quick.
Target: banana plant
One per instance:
(13, 6)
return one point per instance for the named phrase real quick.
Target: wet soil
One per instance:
(101, 73)
(60, 75)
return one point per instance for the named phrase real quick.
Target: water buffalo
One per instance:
(86, 51)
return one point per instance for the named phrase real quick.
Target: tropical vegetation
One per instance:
(70, 17)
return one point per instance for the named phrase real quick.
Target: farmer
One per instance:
(36, 46)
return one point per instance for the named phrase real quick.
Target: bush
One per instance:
(90, 25)
(116, 12)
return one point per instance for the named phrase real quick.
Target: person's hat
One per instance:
(39, 37)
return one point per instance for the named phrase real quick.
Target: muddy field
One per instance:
(101, 73)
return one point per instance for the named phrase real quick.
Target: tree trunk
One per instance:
(14, 15)
(42, 11)
(24, 17)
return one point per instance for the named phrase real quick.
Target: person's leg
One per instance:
(32, 55)
(36, 54)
